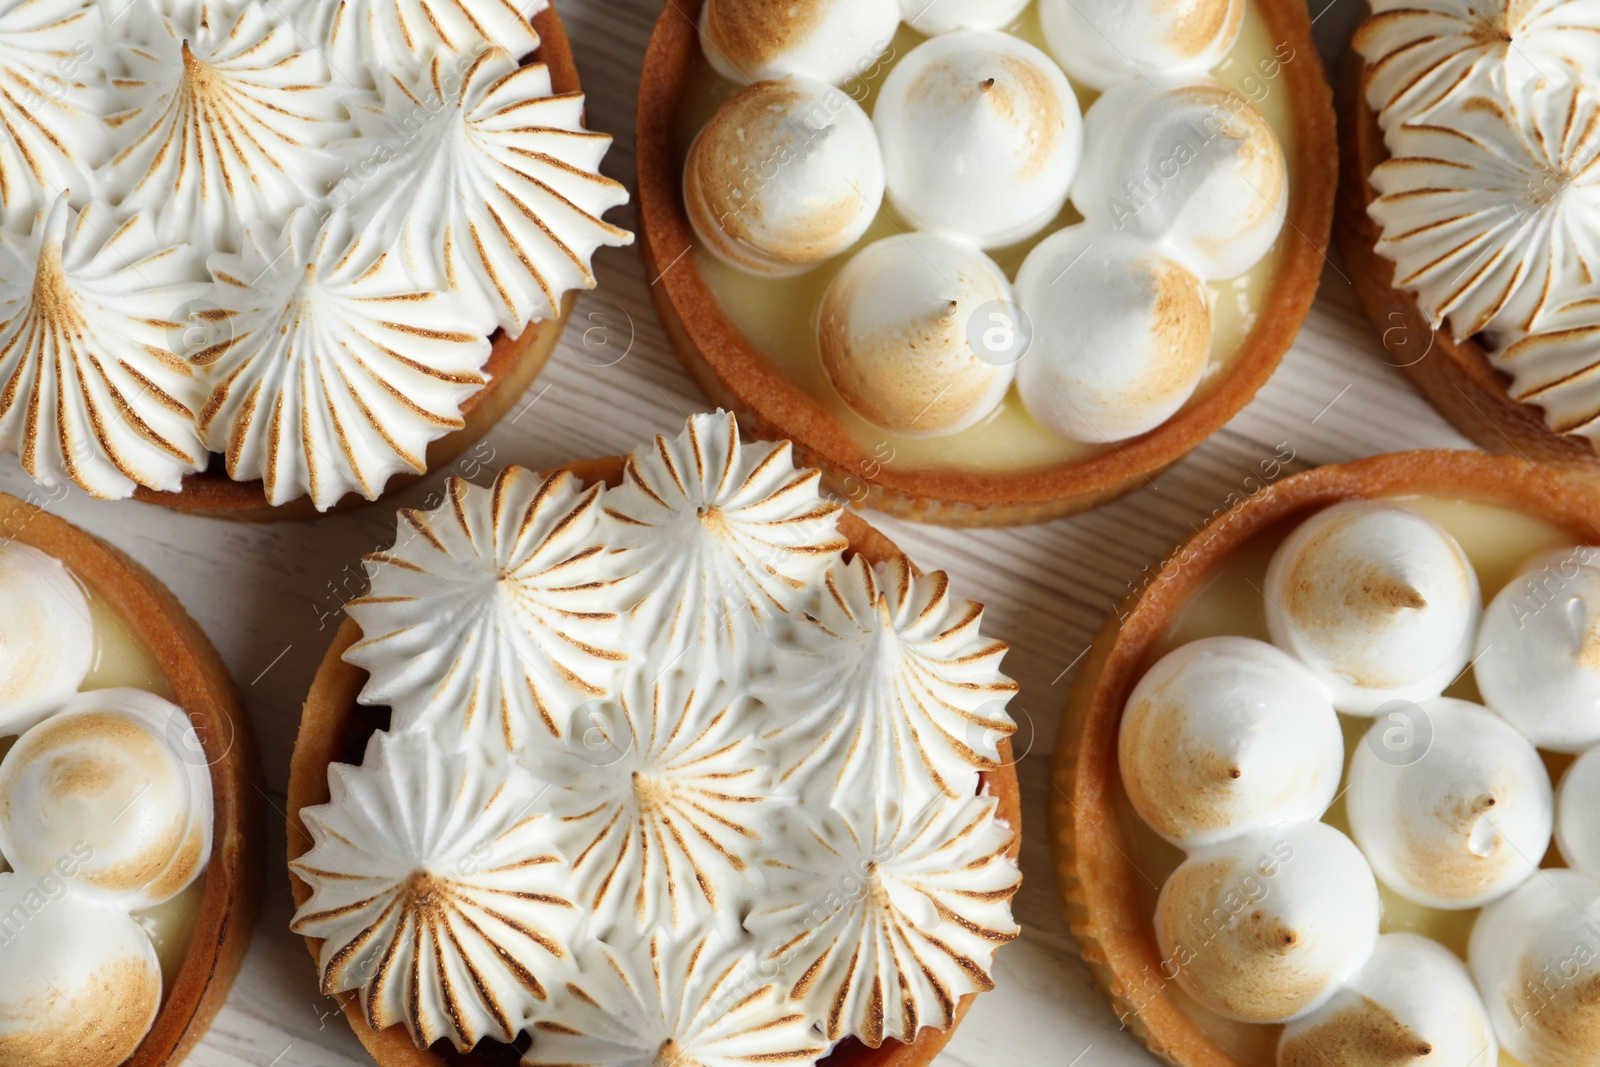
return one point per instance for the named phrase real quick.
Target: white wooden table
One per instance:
(269, 595)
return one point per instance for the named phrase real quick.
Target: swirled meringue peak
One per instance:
(1577, 831)
(1418, 53)
(480, 178)
(934, 17)
(494, 615)
(1102, 42)
(437, 892)
(1192, 165)
(328, 376)
(728, 539)
(891, 690)
(981, 137)
(94, 394)
(1377, 600)
(703, 1000)
(1226, 735)
(47, 635)
(1489, 209)
(1557, 369)
(881, 928)
(787, 174)
(830, 40)
(363, 38)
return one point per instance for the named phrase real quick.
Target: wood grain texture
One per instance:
(269, 595)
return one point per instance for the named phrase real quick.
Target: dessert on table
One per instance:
(984, 262)
(260, 258)
(129, 837)
(1329, 779)
(657, 759)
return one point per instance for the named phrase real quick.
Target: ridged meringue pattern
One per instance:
(363, 36)
(1558, 370)
(436, 892)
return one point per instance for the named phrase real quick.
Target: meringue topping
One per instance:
(981, 137)
(786, 174)
(1102, 42)
(1269, 925)
(1377, 600)
(437, 892)
(1554, 368)
(1121, 335)
(1538, 650)
(363, 36)
(1226, 735)
(934, 17)
(1465, 824)
(896, 335)
(1577, 831)
(830, 40)
(46, 633)
(1193, 166)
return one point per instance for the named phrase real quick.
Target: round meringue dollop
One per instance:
(981, 137)
(1267, 926)
(1578, 813)
(1101, 42)
(118, 773)
(81, 983)
(786, 174)
(1226, 735)
(1459, 824)
(1121, 335)
(934, 17)
(830, 40)
(1379, 601)
(1538, 652)
(1535, 956)
(1412, 1004)
(1193, 165)
(896, 335)
(46, 636)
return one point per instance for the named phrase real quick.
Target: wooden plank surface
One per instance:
(269, 595)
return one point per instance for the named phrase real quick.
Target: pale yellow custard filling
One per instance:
(1498, 541)
(779, 315)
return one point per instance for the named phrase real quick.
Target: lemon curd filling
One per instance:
(1499, 542)
(779, 315)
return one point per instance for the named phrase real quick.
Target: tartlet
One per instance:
(1103, 848)
(336, 728)
(735, 372)
(224, 915)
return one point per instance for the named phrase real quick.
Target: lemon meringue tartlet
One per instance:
(129, 844)
(1380, 888)
(260, 260)
(1194, 179)
(681, 764)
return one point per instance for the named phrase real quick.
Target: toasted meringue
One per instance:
(1418, 53)
(1102, 42)
(360, 37)
(1489, 209)
(881, 928)
(1556, 369)
(1226, 735)
(1577, 801)
(483, 180)
(981, 137)
(437, 892)
(118, 773)
(896, 335)
(934, 17)
(726, 537)
(891, 691)
(88, 309)
(1464, 824)
(1121, 335)
(1379, 601)
(657, 1001)
(830, 40)
(786, 174)
(1267, 926)
(493, 616)
(1192, 165)
(1413, 1003)
(1536, 958)
(1538, 651)
(81, 983)
(46, 633)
